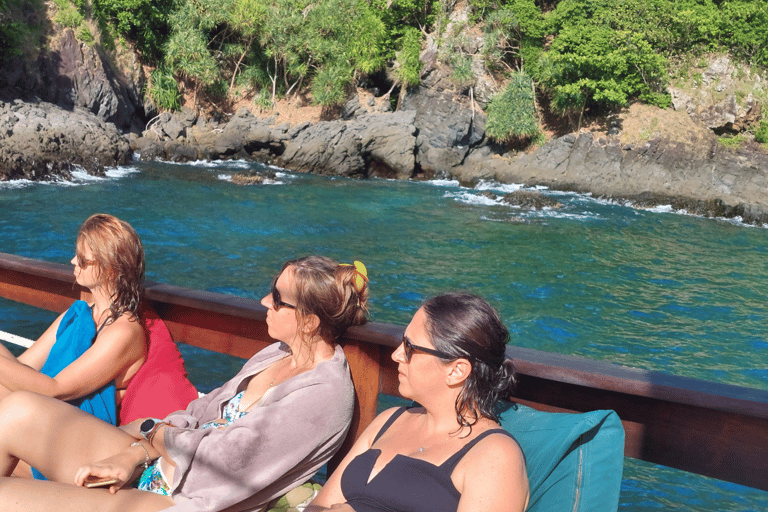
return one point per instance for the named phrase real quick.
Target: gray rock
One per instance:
(726, 100)
(42, 141)
(73, 74)
(179, 151)
(702, 176)
(171, 126)
(530, 200)
(447, 131)
(373, 145)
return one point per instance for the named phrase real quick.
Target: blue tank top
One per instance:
(405, 484)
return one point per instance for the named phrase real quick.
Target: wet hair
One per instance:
(330, 291)
(119, 259)
(463, 325)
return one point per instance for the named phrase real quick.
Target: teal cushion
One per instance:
(574, 461)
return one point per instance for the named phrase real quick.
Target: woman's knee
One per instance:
(19, 406)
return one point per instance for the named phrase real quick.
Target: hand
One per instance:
(121, 466)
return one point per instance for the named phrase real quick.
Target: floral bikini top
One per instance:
(231, 413)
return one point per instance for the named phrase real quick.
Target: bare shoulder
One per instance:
(492, 476)
(127, 329)
(500, 445)
(497, 454)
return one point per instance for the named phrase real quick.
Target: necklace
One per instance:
(275, 378)
(438, 443)
(241, 408)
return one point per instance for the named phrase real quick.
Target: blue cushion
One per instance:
(574, 461)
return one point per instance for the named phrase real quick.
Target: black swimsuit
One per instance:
(405, 484)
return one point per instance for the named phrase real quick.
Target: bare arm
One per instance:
(118, 346)
(492, 476)
(35, 356)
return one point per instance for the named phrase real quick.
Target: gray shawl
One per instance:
(291, 432)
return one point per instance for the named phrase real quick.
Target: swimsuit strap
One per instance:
(456, 457)
(389, 423)
(103, 324)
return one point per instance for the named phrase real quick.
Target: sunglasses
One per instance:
(276, 302)
(410, 347)
(82, 262)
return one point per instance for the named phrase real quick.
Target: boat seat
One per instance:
(574, 461)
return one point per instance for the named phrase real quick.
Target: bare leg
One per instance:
(53, 436)
(20, 495)
(4, 352)
(58, 439)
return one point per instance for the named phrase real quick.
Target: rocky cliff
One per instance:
(74, 108)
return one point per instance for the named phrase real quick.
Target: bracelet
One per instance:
(147, 460)
(152, 434)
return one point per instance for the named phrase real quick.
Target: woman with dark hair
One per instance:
(254, 438)
(448, 453)
(91, 351)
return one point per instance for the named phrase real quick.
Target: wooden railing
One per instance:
(713, 429)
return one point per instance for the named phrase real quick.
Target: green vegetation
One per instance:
(578, 56)
(732, 142)
(163, 89)
(761, 134)
(512, 113)
(408, 64)
(68, 16)
(11, 33)
(145, 22)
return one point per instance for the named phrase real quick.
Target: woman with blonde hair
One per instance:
(260, 434)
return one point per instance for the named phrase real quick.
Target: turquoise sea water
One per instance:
(649, 289)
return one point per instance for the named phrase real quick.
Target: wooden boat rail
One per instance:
(712, 429)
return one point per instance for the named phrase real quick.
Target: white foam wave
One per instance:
(441, 183)
(667, 208)
(467, 197)
(14, 184)
(120, 172)
(213, 164)
(82, 175)
(501, 188)
(736, 221)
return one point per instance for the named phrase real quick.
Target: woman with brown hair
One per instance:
(91, 351)
(260, 434)
(448, 453)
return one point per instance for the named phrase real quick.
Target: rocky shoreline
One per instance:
(74, 110)
(432, 138)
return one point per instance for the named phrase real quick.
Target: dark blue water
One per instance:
(649, 289)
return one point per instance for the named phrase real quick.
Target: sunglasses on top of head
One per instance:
(277, 303)
(410, 347)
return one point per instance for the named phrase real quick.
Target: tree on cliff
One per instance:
(10, 34)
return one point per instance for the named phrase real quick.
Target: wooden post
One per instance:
(363, 359)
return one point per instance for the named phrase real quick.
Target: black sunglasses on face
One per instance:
(276, 302)
(410, 347)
